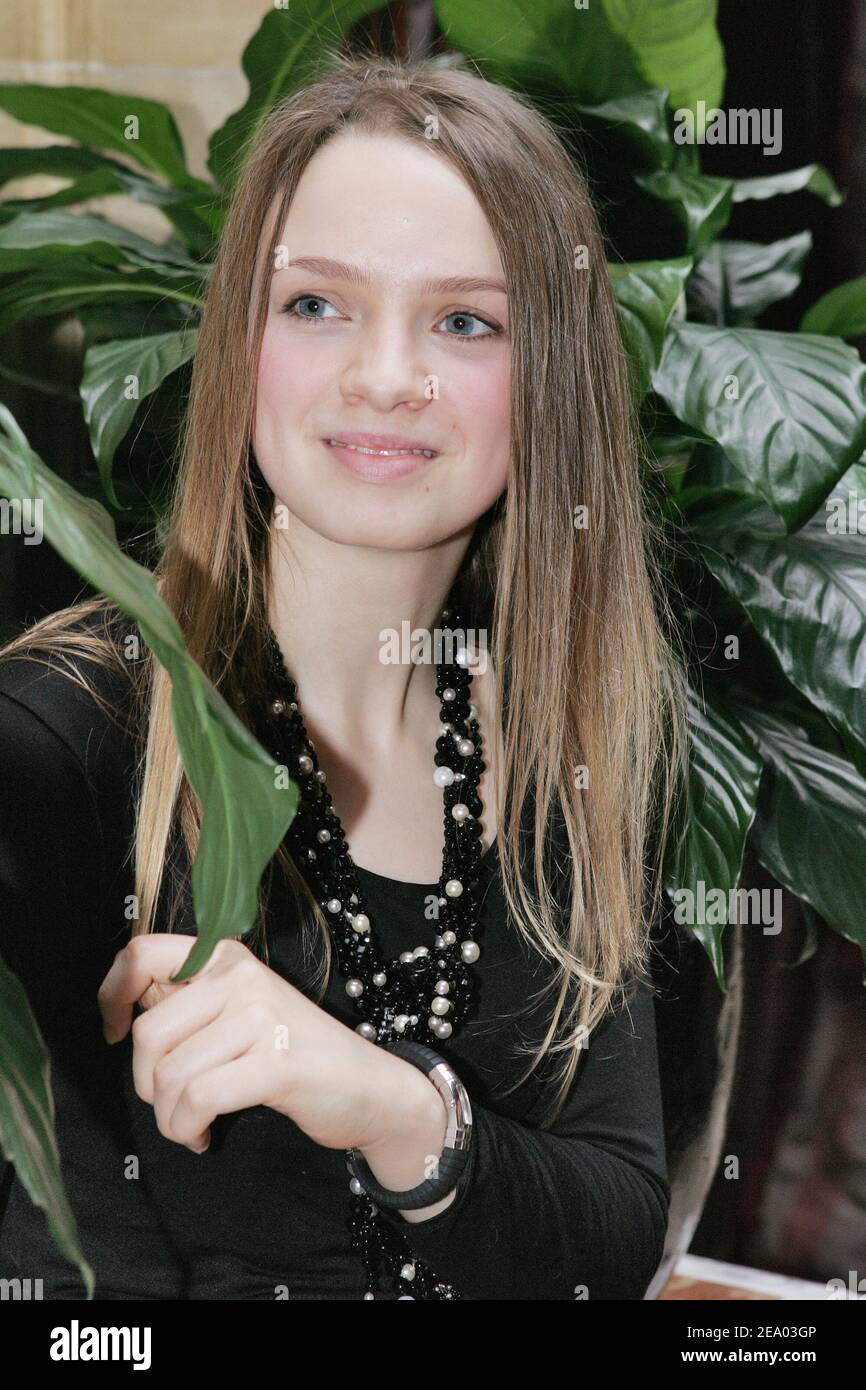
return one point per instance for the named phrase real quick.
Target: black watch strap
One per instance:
(455, 1152)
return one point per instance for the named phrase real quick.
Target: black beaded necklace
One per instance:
(424, 994)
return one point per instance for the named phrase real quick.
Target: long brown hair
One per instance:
(592, 733)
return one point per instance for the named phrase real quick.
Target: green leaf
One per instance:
(245, 814)
(676, 45)
(27, 1118)
(714, 820)
(735, 281)
(646, 293)
(37, 239)
(808, 830)
(284, 53)
(70, 284)
(840, 313)
(805, 594)
(701, 204)
(196, 212)
(788, 409)
(609, 49)
(633, 127)
(111, 371)
(811, 178)
(143, 130)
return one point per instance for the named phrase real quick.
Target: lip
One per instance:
(379, 468)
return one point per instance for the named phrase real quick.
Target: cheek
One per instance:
(288, 378)
(486, 413)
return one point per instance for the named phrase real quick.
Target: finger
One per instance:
(169, 1023)
(222, 1041)
(145, 960)
(148, 961)
(237, 1085)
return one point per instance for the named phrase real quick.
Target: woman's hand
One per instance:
(237, 1034)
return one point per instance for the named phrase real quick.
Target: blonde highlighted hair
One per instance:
(592, 732)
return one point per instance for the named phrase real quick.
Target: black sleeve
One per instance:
(578, 1210)
(52, 867)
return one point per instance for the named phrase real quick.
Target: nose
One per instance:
(385, 366)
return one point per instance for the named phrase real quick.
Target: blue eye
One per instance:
(299, 299)
(464, 316)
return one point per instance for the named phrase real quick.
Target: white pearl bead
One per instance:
(460, 811)
(372, 1295)
(360, 922)
(449, 694)
(470, 951)
(465, 747)
(461, 656)
(439, 1005)
(334, 905)
(449, 937)
(323, 836)
(305, 763)
(367, 1031)
(408, 1272)
(406, 957)
(400, 1022)
(442, 987)
(446, 728)
(354, 988)
(443, 776)
(420, 951)
(355, 1186)
(442, 1028)
(380, 978)
(453, 888)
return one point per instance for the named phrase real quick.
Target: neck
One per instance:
(332, 608)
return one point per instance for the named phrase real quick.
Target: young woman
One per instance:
(429, 1072)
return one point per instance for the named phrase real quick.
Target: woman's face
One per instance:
(362, 346)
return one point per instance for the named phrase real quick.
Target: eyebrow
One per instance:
(340, 270)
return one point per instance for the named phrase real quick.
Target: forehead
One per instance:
(392, 204)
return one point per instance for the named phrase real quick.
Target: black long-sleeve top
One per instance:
(575, 1210)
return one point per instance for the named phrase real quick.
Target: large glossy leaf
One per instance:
(700, 203)
(735, 281)
(811, 178)
(676, 45)
(805, 594)
(841, 312)
(27, 1132)
(808, 829)
(646, 293)
(282, 55)
(73, 283)
(143, 130)
(788, 409)
(607, 49)
(116, 377)
(36, 239)
(632, 127)
(714, 819)
(245, 813)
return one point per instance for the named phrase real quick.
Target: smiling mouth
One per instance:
(383, 453)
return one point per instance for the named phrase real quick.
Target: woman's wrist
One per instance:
(409, 1134)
